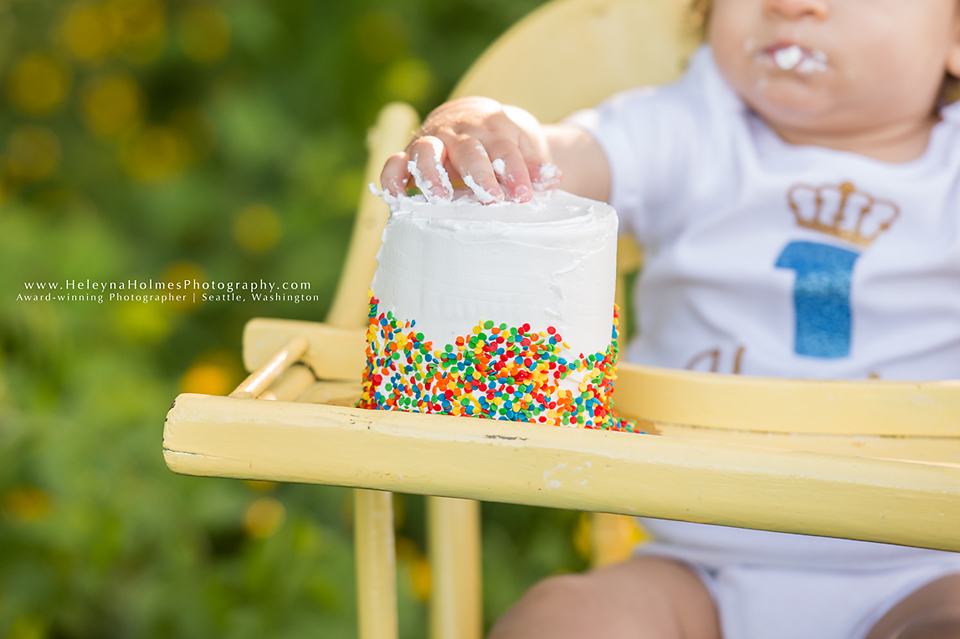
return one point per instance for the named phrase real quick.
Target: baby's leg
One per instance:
(931, 612)
(644, 598)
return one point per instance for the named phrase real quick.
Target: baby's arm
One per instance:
(489, 145)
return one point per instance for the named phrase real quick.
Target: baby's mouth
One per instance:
(793, 57)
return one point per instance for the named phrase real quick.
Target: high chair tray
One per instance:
(875, 461)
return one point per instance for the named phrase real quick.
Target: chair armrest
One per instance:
(333, 353)
(729, 484)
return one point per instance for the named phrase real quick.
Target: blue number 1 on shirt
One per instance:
(821, 296)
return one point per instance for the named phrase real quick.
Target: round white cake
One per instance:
(502, 311)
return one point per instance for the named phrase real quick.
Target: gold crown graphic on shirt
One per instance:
(842, 211)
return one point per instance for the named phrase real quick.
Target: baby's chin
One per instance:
(790, 102)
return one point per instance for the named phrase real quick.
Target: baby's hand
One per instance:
(496, 150)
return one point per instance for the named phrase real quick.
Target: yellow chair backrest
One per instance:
(571, 54)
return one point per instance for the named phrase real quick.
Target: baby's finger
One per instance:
(545, 176)
(426, 167)
(473, 164)
(511, 170)
(394, 176)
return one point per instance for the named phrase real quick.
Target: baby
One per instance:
(797, 195)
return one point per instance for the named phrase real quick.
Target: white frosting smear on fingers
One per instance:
(484, 197)
(445, 182)
(548, 177)
(426, 185)
(422, 183)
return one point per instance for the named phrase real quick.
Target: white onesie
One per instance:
(765, 258)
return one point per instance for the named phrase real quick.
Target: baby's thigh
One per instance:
(644, 598)
(931, 612)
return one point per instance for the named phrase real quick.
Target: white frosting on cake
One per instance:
(548, 262)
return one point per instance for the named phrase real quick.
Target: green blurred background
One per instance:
(167, 139)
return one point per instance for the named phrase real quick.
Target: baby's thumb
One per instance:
(394, 176)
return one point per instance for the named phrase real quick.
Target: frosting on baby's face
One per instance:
(817, 70)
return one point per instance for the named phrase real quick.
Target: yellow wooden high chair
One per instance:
(871, 460)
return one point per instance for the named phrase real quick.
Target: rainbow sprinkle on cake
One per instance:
(496, 371)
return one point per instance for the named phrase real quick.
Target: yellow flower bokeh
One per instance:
(620, 538)
(155, 154)
(185, 272)
(38, 84)
(421, 579)
(136, 29)
(257, 228)
(139, 322)
(213, 373)
(263, 518)
(33, 152)
(416, 566)
(207, 379)
(88, 31)
(27, 503)
(261, 486)
(203, 33)
(29, 627)
(409, 79)
(348, 187)
(583, 537)
(112, 104)
(141, 28)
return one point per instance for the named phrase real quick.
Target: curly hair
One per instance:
(949, 90)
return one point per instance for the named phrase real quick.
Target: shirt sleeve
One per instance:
(655, 140)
